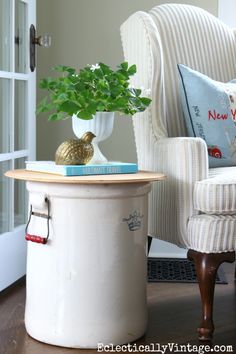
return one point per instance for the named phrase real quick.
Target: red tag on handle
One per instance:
(37, 239)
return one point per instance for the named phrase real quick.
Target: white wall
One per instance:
(87, 31)
(227, 11)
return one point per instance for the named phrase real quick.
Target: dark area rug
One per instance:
(176, 270)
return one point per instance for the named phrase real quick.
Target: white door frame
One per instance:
(12, 242)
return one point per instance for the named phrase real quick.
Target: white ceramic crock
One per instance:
(101, 125)
(87, 285)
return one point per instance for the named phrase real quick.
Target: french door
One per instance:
(17, 132)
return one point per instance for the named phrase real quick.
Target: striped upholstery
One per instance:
(156, 42)
(217, 194)
(211, 233)
(184, 161)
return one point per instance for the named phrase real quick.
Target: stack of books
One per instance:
(82, 170)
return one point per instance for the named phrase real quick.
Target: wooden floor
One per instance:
(174, 311)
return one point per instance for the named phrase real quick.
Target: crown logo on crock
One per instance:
(134, 221)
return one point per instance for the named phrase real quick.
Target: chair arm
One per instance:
(184, 161)
(187, 158)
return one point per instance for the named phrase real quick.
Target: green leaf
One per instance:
(92, 108)
(121, 76)
(122, 101)
(132, 70)
(113, 107)
(69, 107)
(101, 107)
(43, 84)
(146, 101)
(137, 92)
(84, 115)
(105, 69)
(115, 91)
(98, 73)
(62, 96)
(124, 65)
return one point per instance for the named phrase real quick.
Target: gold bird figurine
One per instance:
(75, 151)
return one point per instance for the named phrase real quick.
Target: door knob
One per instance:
(44, 41)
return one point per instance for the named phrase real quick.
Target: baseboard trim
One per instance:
(20, 281)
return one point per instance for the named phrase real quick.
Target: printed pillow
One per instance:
(210, 113)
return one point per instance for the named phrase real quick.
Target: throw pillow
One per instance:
(209, 109)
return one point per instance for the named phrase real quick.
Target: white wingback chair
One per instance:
(196, 206)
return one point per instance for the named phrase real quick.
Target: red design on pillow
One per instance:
(214, 151)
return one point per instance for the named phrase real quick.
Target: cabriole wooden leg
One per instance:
(206, 265)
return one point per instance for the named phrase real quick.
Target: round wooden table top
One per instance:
(141, 176)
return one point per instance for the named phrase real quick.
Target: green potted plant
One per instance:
(90, 97)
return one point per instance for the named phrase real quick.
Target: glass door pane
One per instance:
(20, 36)
(5, 115)
(20, 197)
(4, 198)
(5, 35)
(20, 115)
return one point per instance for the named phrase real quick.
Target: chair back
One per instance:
(177, 33)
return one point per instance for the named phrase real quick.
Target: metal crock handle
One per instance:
(35, 238)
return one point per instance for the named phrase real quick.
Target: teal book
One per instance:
(108, 168)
